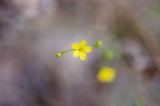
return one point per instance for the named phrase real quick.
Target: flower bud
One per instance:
(108, 55)
(98, 44)
(59, 54)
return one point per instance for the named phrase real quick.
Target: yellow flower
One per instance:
(81, 49)
(106, 74)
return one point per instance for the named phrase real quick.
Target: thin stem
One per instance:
(68, 51)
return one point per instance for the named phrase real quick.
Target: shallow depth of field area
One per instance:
(79, 53)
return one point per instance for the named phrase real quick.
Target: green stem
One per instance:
(68, 51)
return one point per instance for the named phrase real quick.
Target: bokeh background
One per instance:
(33, 31)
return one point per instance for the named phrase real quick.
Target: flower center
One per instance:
(80, 49)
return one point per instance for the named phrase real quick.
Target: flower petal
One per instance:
(75, 53)
(83, 56)
(75, 45)
(83, 43)
(87, 49)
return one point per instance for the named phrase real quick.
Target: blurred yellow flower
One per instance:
(106, 74)
(81, 49)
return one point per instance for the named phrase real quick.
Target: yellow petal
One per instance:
(106, 75)
(75, 45)
(83, 43)
(83, 56)
(87, 49)
(76, 53)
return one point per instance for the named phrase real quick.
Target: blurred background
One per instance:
(33, 31)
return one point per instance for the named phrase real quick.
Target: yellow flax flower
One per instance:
(106, 74)
(81, 49)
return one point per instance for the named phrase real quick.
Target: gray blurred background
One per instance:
(33, 31)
